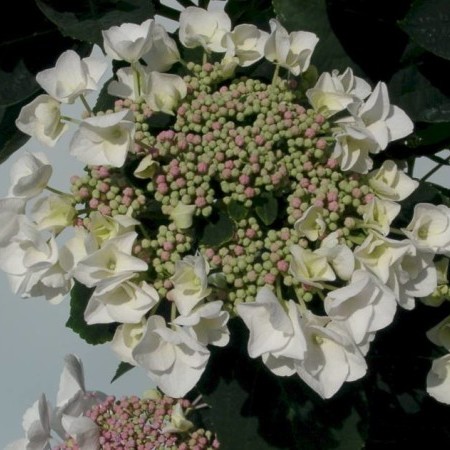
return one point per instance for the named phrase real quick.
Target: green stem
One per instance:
(301, 302)
(205, 58)
(70, 119)
(142, 144)
(397, 231)
(136, 81)
(86, 105)
(56, 191)
(173, 312)
(276, 73)
(144, 232)
(330, 287)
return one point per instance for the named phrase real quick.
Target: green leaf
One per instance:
(11, 139)
(92, 334)
(412, 91)
(122, 369)
(311, 15)
(218, 232)
(427, 23)
(17, 85)
(256, 12)
(266, 207)
(237, 210)
(86, 21)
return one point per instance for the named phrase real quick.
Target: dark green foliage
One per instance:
(122, 369)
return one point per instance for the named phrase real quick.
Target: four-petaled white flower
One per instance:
(42, 119)
(164, 92)
(164, 51)
(429, 229)
(311, 224)
(29, 175)
(72, 76)
(129, 41)
(202, 28)
(172, 358)
(364, 306)
(246, 42)
(190, 282)
(104, 140)
(183, 215)
(54, 213)
(292, 51)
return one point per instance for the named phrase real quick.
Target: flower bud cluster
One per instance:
(144, 424)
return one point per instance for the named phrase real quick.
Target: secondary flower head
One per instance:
(129, 41)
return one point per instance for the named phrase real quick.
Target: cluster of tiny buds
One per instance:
(107, 191)
(138, 424)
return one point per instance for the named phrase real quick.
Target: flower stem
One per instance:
(173, 312)
(136, 81)
(301, 302)
(71, 119)
(143, 145)
(56, 191)
(276, 77)
(205, 58)
(86, 105)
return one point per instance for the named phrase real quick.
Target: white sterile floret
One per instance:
(311, 224)
(429, 229)
(126, 337)
(202, 28)
(207, 323)
(379, 214)
(310, 267)
(331, 357)
(164, 52)
(183, 215)
(104, 140)
(391, 183)
(41, 119)
(178, 422)
(333, 92)
(124, 303)
(53, 213)
(352, 149)
(190, 282)
(83, 430)
(103, 228)
(171, 358)
(292, 51)
(164, 92)
(146, 168)
(438, 379)
(125, 85)
(129, 41)
(29, 175)
(385, 122)
(72, 76)
(364, 306)
(110, 265)
(275, 334)
(246, 42)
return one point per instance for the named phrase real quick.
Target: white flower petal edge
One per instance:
(104, 140)
(438, 379)
(126, 338)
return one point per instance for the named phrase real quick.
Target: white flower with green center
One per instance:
(178, 422)
(129, 41)
(182, 215)
(41, 119)
(126, 337)
(292, 51)
(164, 52)
(353, 147)
(385, 122)
(146, 168)
(364, 306)
(438, 379)
(190, 283)
(207, 323)
(104, 140)
(125, 303)
(171, 358)
(202, 28)
(310, 267)
(331, 357)
(111, 265)
(429, 229)
(29, 175)
(72, 76)
(311, 224)
(333, 92)
(379, 214)
(53, 213)
(275, 333)
(104, 228)
(246, 42)
(390, 183)
(164, 92)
